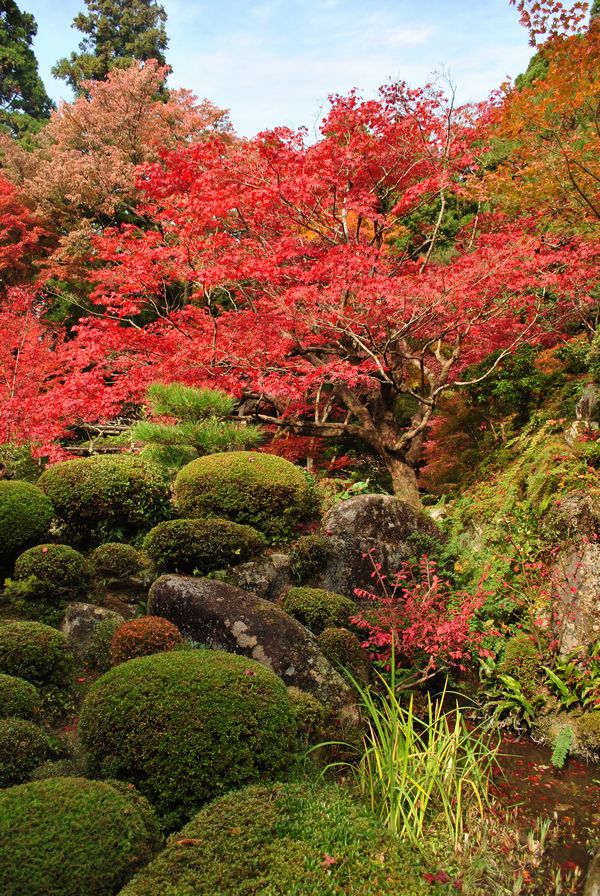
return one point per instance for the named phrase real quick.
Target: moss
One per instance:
(260, 490)
(18, 698)
(588, 731)
(115, 560)
(143, 637)
(25, 515)
(18, 462)
(311, 715)
(23, 746)
(308, 557)
(101, 643)
(317, 609)
(342, 648)
(188, 725)
(522, 661)
(286, 840)
(201, 546)
(46, 578)
(72, 837)
(98, 497)
(37, 653)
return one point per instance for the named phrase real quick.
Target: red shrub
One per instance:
(141, 637)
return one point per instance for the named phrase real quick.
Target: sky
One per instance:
(274, 62)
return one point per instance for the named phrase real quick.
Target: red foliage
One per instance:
(21, 235)
(548, 19)
(144, 636)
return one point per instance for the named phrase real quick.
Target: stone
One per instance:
(267, 577)
(592, 880)
(576, 513)
(128, 589)
(221, 616)
(576, 609)
(379, 525)
(79, 623)
(588, 406)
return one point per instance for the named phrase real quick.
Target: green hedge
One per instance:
(23, 746)
(37, 653)
(201, 546)
(318, 609)
(46, 578)
(116, 560)
(73, 837)
(285, 840)
(260, 490)
(308, 557)
(99, 497)
(188, 725)
(18, 698)
(342, 648)
(25, 516)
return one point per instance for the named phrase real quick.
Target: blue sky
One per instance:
(274, 62)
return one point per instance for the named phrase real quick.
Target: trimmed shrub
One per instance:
(18, 698)
(143, 637)
(100, 652)
(522, 661)
(116, 561)
(23, 746)
(188, 725)
(342, 647)
(308, 557)
(25, 516)
(73, 837)
(587, 727)
(318, 609)
(46, 578)
(36, 652)
(95, 497)
(260, 490)
(201, 546)
(284, 839)
(311, 716)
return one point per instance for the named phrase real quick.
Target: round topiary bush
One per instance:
(188, 725)
(308, 556)
(261, 490)
(311, 716)
(116, 561)
(143, 637)
(73, 837)
(25, 516)
(23, 746)
(46, 578)
(283, 839)
(318, 609)
(18, 698)
(100, 650)
(36, 652)
(201, 546)
(343, 648)
(522, 662)
(94, 497)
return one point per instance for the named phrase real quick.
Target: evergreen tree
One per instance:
(117, 32)
(23, 100)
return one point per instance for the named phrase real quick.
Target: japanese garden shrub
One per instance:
(46, 578)
(38, 653)
(94, 497)
(68, 836)
(259, 490)
(25, 516)
(23, 746)
(311, 716)
(100, 651)
(199, 546)
(587, 727)
(522, 662)
(144, 636)
(18, 698)
(115, 560)
(308, 556)
(188, 725)
(277, 840)
(342, 648)
(317, 609)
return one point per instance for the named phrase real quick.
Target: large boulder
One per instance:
(79, 624)
(227, 618)
(379, 526)
(267, 576)
(576, 610)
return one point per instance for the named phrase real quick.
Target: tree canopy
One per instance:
(23, 98)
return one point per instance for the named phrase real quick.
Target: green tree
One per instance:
(200, 425)
(24, 102)
(116, 33)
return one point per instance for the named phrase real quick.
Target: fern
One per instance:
(562, 745)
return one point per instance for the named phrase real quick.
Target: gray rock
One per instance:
(79, 623)
(592, 880)
(267, 577)
(128, 590)
(577, 513)
(380, 524)
(225, 617)
(588, 406)
(576, 607)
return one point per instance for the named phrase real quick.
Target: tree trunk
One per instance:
(404, 480)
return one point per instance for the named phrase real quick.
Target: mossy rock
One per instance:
(587, 727)
(23, 746)
(259, 490)
(308, 557)
(201, 546)
(311, 715)
(68, 836)
(188, 725)
(96, 497)
(37, 653)
(18, 698)
(318, 609)
(115, 560)
(522, 661)
(46, 578)
(284, 840)
(342, 647)
(25, 516)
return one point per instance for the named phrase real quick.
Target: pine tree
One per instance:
(23, 99)
(116, 33)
